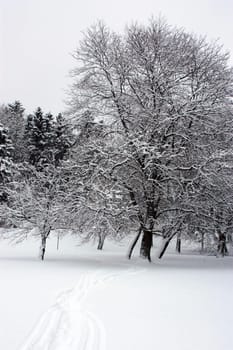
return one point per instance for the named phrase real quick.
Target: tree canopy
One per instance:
(165, 98)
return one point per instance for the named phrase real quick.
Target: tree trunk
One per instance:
(165, 245)
(222, 247)
(133, 244)
(202, 242)
(101, 241)
(178, 244)
(42, 247)
(146, 244)
(58, 240)
(44, 236)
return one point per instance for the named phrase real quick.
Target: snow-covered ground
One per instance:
(80, 298)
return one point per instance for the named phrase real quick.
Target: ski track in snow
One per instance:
(68, 325)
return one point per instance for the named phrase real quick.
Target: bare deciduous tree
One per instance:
(166, 98)
(39, 199)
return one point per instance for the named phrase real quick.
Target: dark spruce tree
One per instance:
(38, 133)
(48, 139)
(62, 139)
(35, 136)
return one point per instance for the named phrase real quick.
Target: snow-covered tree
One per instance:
(40, 199)
(63, 139)
(98, 211)
(39, 137)
(48, 138)
(166, 97)
(12, 118)
(6, 164)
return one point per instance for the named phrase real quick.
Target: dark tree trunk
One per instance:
(222, 247)
(131, 248)
(165, 245)
(44, 236)
(202, 242)
(146, 244)
(178, 244)
(43, 247)
(101, 241)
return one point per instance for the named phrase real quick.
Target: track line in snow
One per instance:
(68, 325)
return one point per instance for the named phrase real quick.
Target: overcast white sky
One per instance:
(38, 36)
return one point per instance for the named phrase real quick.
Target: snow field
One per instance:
(79, 298)
(67, 324)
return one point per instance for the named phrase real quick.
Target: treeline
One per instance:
(146, 145)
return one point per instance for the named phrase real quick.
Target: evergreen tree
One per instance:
(48, 139)
(38, 132)
(12, 118)
(62, 139)
(16, 109)
(6, 163)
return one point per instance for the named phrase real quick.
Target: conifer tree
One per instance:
(48, 139)
(16, 108)
(38, 133)
(12, 118)
(62, 139)
(6, 164)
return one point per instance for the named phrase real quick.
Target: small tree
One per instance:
(40, 199)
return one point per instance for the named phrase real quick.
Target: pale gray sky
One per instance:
(37, 37)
